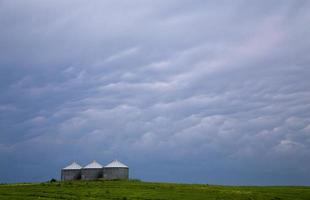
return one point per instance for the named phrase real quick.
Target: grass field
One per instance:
(124, 190)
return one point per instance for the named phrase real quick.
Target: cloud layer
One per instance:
(189, 91)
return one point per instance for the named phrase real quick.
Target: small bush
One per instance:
(53, 180)
(135, 180)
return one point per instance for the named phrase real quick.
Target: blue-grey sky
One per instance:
(187, 91)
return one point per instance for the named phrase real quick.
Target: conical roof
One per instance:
(116, 164)
(74, 165)
(93, 165)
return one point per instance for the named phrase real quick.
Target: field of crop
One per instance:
(123, 190)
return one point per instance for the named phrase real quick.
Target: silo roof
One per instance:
(116, 164)
(74, 165)
(93, 165)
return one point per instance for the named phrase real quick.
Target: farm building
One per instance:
(92, 171)
(71, 172)
(116, 170)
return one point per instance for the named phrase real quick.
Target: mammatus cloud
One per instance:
(192, 91)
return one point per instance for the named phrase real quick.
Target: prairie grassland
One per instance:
(125, 190)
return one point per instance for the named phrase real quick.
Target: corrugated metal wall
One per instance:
(115, 173)
(70, 174)
(91, 174)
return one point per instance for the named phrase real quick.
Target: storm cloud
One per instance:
(186, 91)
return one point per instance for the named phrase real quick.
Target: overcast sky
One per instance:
(180, 90)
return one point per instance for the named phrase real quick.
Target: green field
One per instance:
(146, 190)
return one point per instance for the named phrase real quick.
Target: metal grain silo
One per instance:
(116, 170)
(71, 172)
(92, 171)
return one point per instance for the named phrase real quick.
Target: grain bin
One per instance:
(92, 171)
(71, 172)
(116, 170)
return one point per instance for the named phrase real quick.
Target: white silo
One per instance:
(71, 172)
(92, 171)
(116, 170)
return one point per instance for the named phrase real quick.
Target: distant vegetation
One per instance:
(135, 189)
